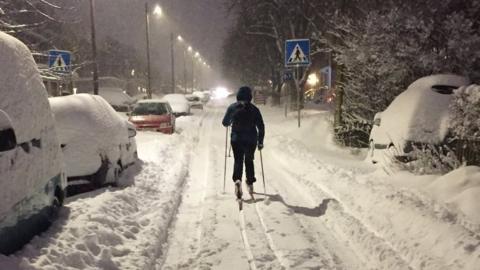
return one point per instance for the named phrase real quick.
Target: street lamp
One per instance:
(94, 47)
(182, 41)
(157, 11)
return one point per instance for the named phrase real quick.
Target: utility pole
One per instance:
(147, 32)
(185, 70)
(94, 47)
(172, 52)
(193, 73)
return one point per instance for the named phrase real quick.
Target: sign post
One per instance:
(297, 55)
(287, 76)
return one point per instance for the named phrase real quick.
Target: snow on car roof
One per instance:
(88, 116)
(175, 98)
(24, 97)
(152, 101)
(115, 96)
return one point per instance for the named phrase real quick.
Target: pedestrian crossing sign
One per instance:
(59, 61)
(297, 52)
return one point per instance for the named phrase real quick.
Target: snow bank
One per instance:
(118, 228)
(460, 189)
(90, 129)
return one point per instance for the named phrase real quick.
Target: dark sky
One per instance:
(203, 24)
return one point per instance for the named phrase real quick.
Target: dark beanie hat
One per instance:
(244, 94)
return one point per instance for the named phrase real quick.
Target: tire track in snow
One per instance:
(199, 229)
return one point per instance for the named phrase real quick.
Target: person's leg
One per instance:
(249, 167)
(238, 155)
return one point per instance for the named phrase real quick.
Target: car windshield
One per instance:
(193, 98)
(153, 108)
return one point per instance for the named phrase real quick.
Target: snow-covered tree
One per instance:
(36, 22)
(465, 123)
(395, 45)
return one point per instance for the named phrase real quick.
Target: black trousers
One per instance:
(244, 152)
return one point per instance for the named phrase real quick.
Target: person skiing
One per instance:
(248, 132)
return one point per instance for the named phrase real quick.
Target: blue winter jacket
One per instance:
(245, 119)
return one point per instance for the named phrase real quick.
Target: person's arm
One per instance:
(227, 119)
(260, 127)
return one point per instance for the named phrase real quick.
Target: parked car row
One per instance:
(416, 117)
(160, 114)
(45, 144)
(32, 178)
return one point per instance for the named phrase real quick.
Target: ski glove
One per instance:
(260, 146)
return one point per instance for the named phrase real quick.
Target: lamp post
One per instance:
(194, 56)
(172, 53)
(94, 47)
(157, 11)
(180, 39)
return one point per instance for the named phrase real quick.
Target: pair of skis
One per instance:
(240, 200)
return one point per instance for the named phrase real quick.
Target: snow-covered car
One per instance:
(203, 95)
(418, 116)
(195, 102)
(179, 104)
(153, 114)
(97, 143)
(32, 178)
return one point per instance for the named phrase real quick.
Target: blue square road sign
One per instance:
(60, 61)
(297, 52)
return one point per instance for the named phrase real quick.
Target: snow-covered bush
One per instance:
(432, 159)
(465, 123)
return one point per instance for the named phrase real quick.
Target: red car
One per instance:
(154, 115)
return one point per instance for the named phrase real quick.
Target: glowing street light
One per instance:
(157, 10)
(190, 49)
(179, 38)
(312, 79)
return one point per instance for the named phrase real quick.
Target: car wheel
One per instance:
(54, 209)
(100, 177)
(372, 153)
(113, 175)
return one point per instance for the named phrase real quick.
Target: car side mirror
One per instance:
(8, 139)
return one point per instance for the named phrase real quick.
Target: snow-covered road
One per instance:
(324, 209)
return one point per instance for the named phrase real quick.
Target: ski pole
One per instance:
(263, 174)
(225, 166)
(230, 150)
